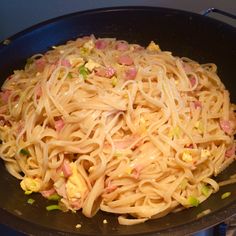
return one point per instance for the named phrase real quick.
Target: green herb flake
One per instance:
(205, 190)
(28, 192)
(83, 71)
(193, 201)
(54, 197)
(225, 195)
(30, 201)
(69, 75)
(24, 152)
(53, 207)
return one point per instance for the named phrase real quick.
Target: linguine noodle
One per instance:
(114, 126)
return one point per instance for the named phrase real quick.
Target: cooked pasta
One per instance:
(112, 126)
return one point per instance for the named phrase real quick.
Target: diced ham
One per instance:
(136, 171)
(187, 68)
(38, 92)
(16, 98)
(40, 64)
(197, 104)
(100, 44)
(111, 188)
(189, 145)
(125, 60)
(59, 124)
(65, 63)
(192, 80)
(225, 125)
(122, 46)
(106, 72)
(9, 77)
(48, 193)
(126, 142)
(230, 152)
(5, 95)
(66, 169)
(131, 73)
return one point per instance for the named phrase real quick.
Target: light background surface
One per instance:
(16, 15)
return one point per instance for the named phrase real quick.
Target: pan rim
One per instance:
(221, 214)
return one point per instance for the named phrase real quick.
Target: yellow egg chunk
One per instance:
(30, 184)
(153, 47)
(76, 186)
(90, 65)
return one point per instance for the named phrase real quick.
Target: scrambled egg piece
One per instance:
(175, 132)
(76, 186)
(187, 157)
(89, 45)
(90, 65)
(153, 47)
(199, 126)
(205, 153)
(31, 184)
(75, 60)
(128, 170)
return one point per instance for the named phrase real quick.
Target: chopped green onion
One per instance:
(28, 192)
(54, 197)
(84, 51)
(193, 201)
(83, 71)
(225, 195)
(205, 190)
(53, 207)
(114, 81)
(24, 152)
(69, 75)
(30, 201)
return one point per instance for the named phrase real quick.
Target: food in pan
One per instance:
(104, 124)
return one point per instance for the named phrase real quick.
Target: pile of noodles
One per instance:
(114, 126)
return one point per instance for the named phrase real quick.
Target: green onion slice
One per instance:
(54, 197)
(83, 71)
(193, 201)
(30, 201)
(53, 207)
(205, 190)
(225, 195)
(24, 152)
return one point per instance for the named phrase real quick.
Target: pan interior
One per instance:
(185, 34)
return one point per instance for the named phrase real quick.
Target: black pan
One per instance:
(183, 33)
